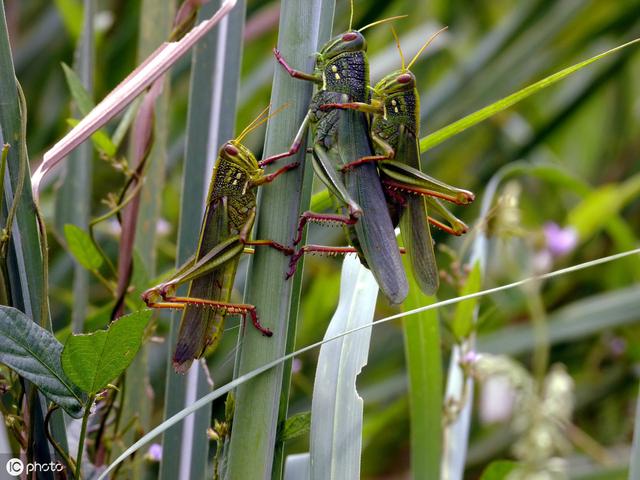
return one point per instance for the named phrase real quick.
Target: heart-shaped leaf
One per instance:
(93, 360)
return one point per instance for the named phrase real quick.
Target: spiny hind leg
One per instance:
(319, 249)
(324, 219)
(230, 308)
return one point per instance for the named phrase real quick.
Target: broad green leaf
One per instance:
(461, 125)
(295, 426)
(95, 359)
(498, 470)
(463, 319)
(98, 319)
(34, 353)
(82, 248)
(99, 138)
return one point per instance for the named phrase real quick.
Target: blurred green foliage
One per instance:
(585, 129)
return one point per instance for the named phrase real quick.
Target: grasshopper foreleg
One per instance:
(293, 72)
(295, 146)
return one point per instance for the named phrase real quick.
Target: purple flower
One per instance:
(560, 241)
(154, 454)
(618, 346)
(470, 357)
(296, 365)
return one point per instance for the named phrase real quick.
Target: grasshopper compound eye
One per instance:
(404, 78)
(349, 36)
(230, 149)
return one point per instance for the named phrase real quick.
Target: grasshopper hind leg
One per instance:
(226, 307)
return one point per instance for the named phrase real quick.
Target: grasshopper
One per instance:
(341, 75)
(410, 193)
(226, 227)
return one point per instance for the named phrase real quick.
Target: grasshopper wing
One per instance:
(374, 229)
(414, 225)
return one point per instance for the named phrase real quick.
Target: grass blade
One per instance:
(634, 466)
(439, 136)
(424, 368)
(336, 408)
(304, 25)
(24, 263)
(142, 217)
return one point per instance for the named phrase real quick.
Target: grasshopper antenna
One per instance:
(395, 36)
(351, 17)
(380, 22)
(259, 120)
(426, 44)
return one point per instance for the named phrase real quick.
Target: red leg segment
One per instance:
(232, 308)
(320, 249)
(325, 218)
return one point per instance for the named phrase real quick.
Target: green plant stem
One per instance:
(58, 448)
(83, 433)
(115, 210)
(634, 467)
(540, 332)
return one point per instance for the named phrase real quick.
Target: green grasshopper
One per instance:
(226, 227)
(342, 75)
(410, 193)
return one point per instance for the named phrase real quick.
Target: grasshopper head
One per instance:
(397, 81)
(235, 152)
(351, 41)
